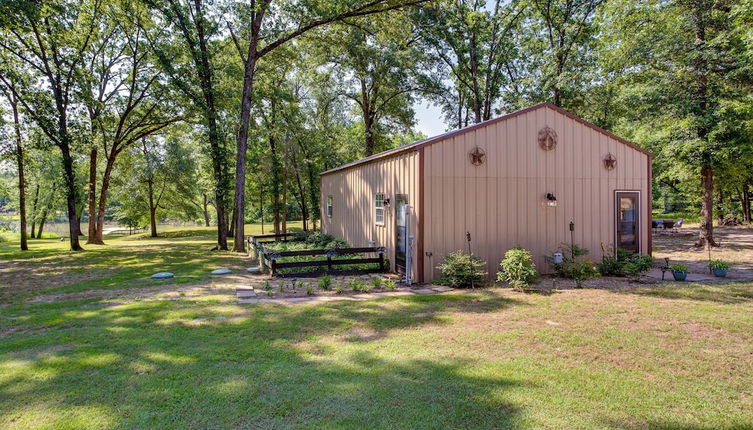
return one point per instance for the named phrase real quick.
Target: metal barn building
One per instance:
(517, 180)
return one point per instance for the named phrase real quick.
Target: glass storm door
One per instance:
(627, 211)
(401, 231)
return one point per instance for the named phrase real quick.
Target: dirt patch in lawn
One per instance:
(735, 247)
(20, 278)
(129, 295)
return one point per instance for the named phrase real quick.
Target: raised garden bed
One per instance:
(300, 255)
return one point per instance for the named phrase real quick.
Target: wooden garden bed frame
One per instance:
(269, 258)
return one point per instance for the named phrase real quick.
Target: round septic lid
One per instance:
(163, 275)
(253, 270)
(222, 271)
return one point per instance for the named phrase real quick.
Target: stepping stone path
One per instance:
(163, 275)
(254, 270)
(247, 295)
(222, 271)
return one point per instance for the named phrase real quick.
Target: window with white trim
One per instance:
(379, 209)
(329, 206)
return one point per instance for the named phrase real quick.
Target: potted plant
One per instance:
(679, 271)
(719, 268)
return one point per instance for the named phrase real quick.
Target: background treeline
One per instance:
(225, 112)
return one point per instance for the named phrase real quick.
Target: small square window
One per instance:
(329, 206)
(379, 209)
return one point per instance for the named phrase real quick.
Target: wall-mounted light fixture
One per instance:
(386, 202)
(550, 200)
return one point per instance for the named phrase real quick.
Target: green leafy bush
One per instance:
(325, 282)
(580, 270)
(309, 290)
(338, 289)
(376, 282)
(718, 265)
(626, 263)
(461, 270)
(518, 269)
(637, 265)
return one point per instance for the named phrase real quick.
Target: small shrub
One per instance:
(325, 282)
(298, 284)
(626, 263)
(461, 270)
(678, 267)
(581, 270)
(338, 289)
(718, 265)
(376, 282)
(611, 266)
(518, 269)
(309, 290)
(389, 285)
(637, 265)
(270, 293)
(267, 286)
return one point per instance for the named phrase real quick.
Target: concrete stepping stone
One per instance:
(163, 275)
(253, 270)
(223, 271)
(424, 291)
(441, 288)
(245, 294)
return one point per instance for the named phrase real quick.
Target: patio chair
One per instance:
(678, 224)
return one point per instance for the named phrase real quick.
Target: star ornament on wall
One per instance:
(610, 162)
(477, 156)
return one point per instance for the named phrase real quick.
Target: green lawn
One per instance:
(666, 358)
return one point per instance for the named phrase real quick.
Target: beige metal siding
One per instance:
(500, 202)
(353, 190)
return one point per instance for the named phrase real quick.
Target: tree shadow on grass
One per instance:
(730, 293)
(665, 425)
(160, 364)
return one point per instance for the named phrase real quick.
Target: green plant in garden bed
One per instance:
(518, 269)
(581, 270)
(325, 283)
(389, 285)
(461, 270)
(718, 264)
(625, 263)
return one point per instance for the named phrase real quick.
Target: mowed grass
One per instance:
(673, 357)
(124, 262)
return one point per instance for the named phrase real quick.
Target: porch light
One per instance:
(386, 202)
(551, 200)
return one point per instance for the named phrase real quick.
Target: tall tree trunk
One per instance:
(70, 188)
(284, 209)
(261, 207)
(276, 168)
(706, 236)
(720, 205)
(205, 207)
(34, 202)
(232, 223)
(152, 208)
(102, 204)
(21, 178)
(43, 218)
(240, 160)
(92, 197)
(302, 200)
(746, 201)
